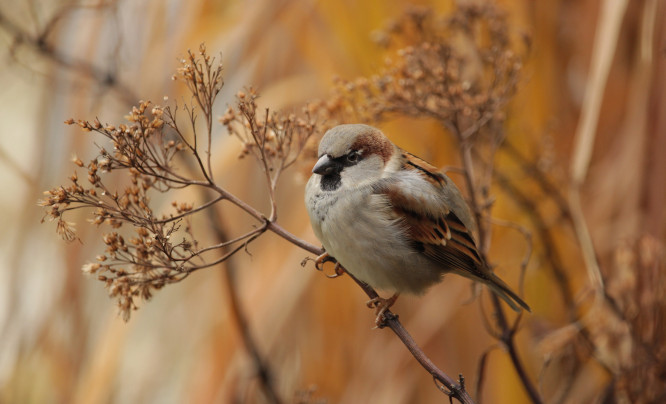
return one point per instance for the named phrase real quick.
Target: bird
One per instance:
(391, 219)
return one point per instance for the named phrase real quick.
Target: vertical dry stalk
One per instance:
(608, 30)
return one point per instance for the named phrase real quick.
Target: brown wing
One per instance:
(443, 239)
(430, 212)
(430, 222)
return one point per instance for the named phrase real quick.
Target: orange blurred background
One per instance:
(60, 337)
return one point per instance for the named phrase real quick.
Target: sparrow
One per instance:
(391, 219)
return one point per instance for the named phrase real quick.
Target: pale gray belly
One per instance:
(361, 234)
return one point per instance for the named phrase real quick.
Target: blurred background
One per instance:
(589, 117)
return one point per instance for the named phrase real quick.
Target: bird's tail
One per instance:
(503, 291)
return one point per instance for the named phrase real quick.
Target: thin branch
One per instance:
(528, 240)
(225, 242)
(456, 390)
(191, 211)
(39, 43)
(507, 339)
(466, 156)
(507, 332)
(262, 366)
(481, 373)
(390, 320)
(552, 255)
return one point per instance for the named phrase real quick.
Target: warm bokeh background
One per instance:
(60, 337)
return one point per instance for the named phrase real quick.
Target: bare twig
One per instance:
(264, 372)
(507, 338)
(481, 373)
(552, 256)
(455, 390)
(39, 43)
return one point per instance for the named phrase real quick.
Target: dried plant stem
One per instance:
(606, 39)
(224, 242)
(507, 338)
(455, 389)
(608, 30)
(270, 225)
(194, 210)
(38, 42)
(466, 155)
(507, 332)
(261, 365)
(552, 255)
(264, 373)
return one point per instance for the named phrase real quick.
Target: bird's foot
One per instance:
(337, 271)
(325, 257)
(381, 305)
(321, 260)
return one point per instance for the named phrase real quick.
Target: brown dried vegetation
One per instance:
(460, 71)
(159, 156)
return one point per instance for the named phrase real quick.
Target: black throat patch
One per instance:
(331, 182)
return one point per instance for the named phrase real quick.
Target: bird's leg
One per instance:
(381, 305)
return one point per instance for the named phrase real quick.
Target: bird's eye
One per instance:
(353, 156)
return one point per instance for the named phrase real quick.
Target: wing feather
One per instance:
(429, 219)
(438, 223)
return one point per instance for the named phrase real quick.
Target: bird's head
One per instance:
(350, 155)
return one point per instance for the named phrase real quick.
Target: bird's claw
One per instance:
(324, 258)
(381, 306)
(320, 260)
(337, 271)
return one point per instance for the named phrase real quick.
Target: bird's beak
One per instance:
(325, 165)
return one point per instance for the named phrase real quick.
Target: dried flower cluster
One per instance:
(147, 259)
(275, 140)
(460, 70)
(163, 248)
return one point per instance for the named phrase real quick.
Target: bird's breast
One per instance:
(358, 228)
